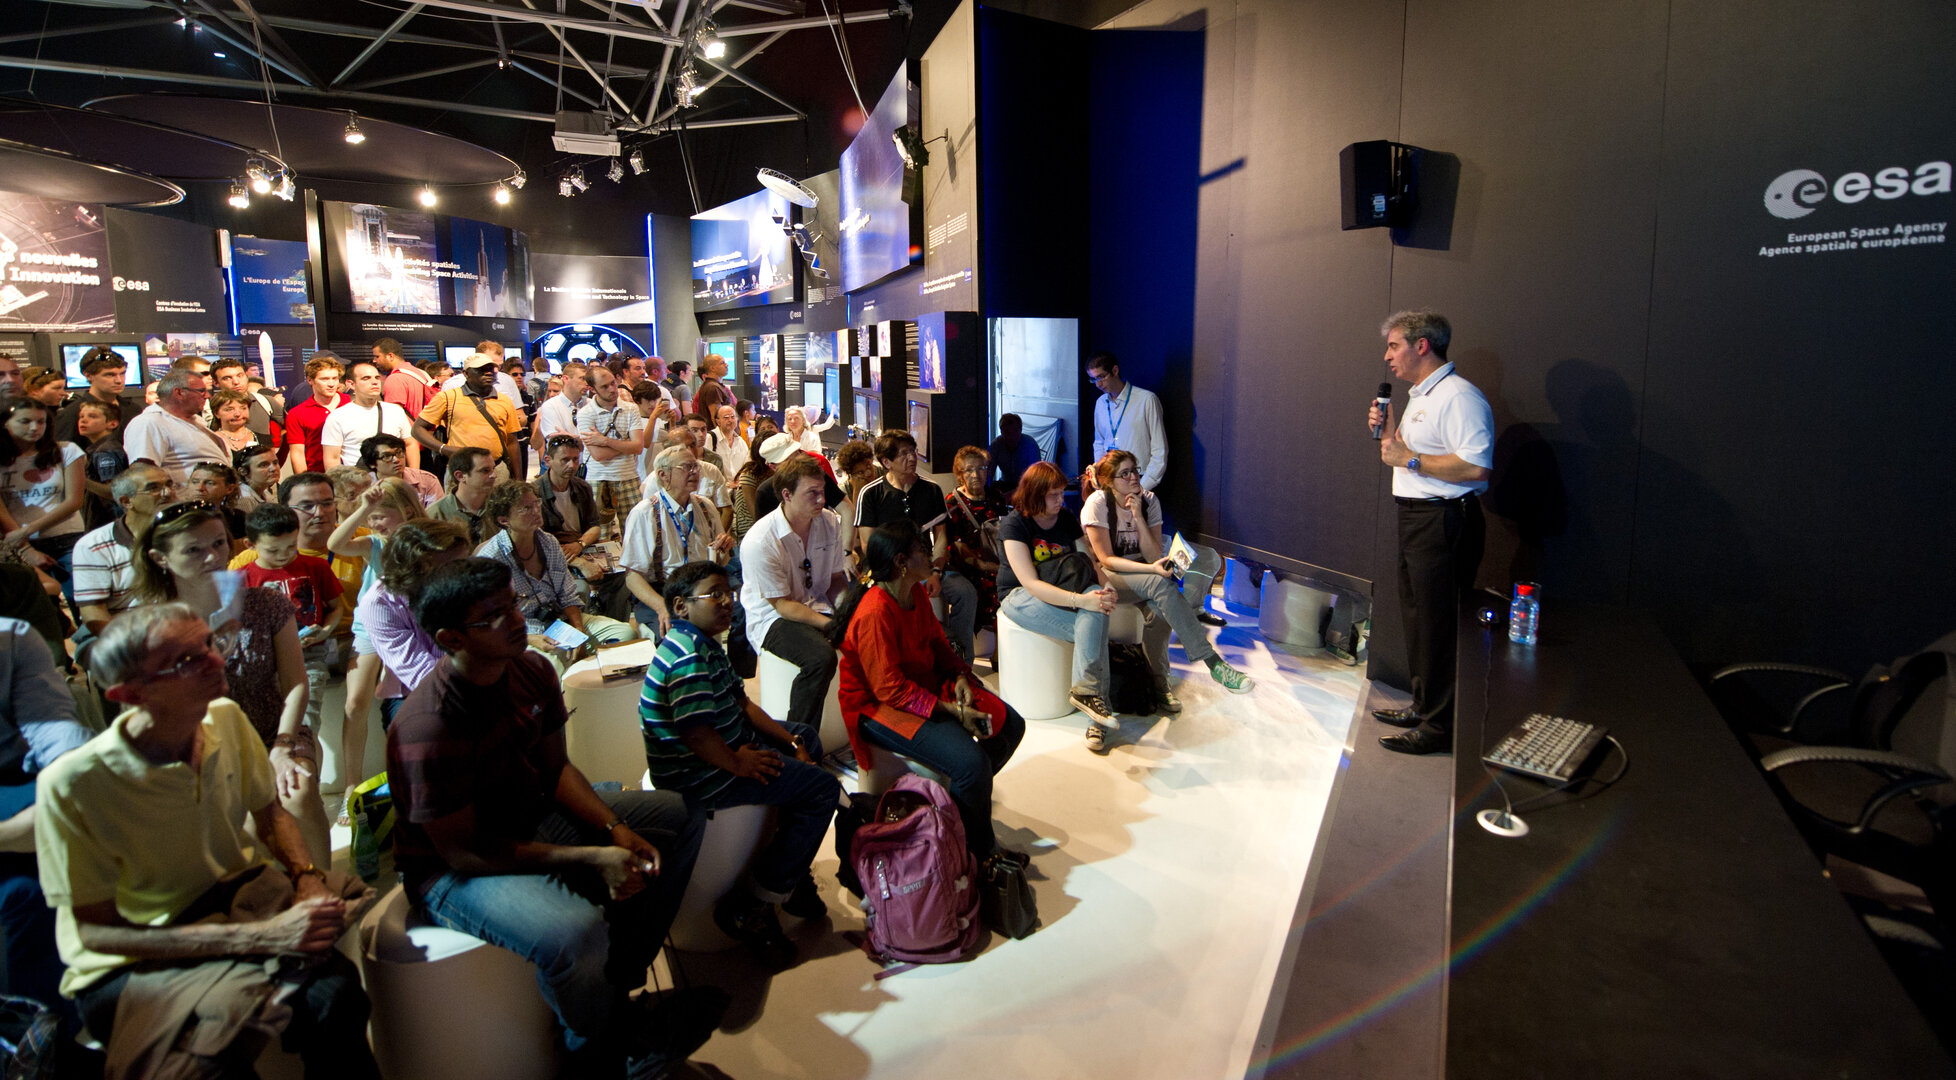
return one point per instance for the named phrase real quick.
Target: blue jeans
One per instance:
(960, 611)
(33, 965)
(1086, 629)
(969, 764)
(1174, 611)
(589, 950)
(805, 798)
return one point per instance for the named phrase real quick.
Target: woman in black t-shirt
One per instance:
(1041, 531)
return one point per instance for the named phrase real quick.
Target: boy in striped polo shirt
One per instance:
(705, 739)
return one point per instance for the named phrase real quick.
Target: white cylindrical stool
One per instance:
(447, 1006)
(1242, 584)
(887, 767)
(1293, 612)
(777, 679)
(733, 834)
(604, 739)
(1035, 672)
(1125, 625)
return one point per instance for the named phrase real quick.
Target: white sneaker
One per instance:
(1096, 738)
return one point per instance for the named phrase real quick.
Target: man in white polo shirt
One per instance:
(169, 434)
(613, 432)
(793, 564)
(1441, 454)
(364, 417)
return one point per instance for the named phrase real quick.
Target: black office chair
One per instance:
(1881, 794)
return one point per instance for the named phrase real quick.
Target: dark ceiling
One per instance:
(495, 73)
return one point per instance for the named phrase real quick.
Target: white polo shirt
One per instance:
(350, 425)
(1445, 414)
(175, 445)
(770, 567)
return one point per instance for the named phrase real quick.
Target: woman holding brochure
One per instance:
(1123, 524)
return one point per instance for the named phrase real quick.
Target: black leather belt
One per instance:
(1463, 500)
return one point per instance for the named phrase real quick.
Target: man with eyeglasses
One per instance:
(310, 495)
(674, 527)
(708, 741)
(793, 563)
(386, 457)
(169, 434)
(104, 580)
(1126, 417)
(140, 836)
(498, 835)
(613, 431)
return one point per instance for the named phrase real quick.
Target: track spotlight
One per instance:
(637, 160)
(710, 44)
(519, 180)
(427, 195)
(284, 188)
(240, 195)
(616, 173)
(688, 88)
(564, 186)
(353, 133)
(259, 175)
(502, 195)
(577, 180)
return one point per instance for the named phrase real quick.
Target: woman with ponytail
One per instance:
(905, 689)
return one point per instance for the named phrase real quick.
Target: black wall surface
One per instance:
(1744, 444)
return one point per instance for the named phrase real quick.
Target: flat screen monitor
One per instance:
(741, 256)
(832, 383)
(72, 356)
(868, 409)
(881, 212)
(457, 355)
(917, 419)
(813, 397)
(725, 350)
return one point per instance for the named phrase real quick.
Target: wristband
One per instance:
(615, 822)
(308, 869)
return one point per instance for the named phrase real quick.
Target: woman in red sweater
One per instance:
(903, 688)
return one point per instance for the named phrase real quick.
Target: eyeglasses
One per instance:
(684, 470)
(215, 646)
(497, 621)
(1128, 474)
(315, 508)
(390, 455)
(720, 595)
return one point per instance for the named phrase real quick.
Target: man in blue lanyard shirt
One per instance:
(1126, 417)
(1441, 454)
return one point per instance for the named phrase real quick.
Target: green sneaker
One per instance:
(1233, 680)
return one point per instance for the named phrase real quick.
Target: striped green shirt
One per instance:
(690, 682)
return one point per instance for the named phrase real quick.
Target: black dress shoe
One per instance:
(1208, 619)
(1420, 740)
(1396, 717)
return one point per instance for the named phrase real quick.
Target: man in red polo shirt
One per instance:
(304, 420)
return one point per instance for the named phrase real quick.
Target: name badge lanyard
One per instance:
(685, 528)
(1114, 433)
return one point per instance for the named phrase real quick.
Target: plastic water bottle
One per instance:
(1523, 613)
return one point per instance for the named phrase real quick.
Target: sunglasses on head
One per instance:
(176, 510)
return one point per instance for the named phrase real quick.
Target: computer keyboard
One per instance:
(1546, 747)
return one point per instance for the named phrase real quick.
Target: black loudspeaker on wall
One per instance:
(1376, 181)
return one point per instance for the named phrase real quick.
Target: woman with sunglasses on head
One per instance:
(905, 689)
(1123, 524)
(512, 521)
(385, 456)
(43, 484)
(362, 534)
(180, 554)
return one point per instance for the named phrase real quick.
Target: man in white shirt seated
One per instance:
(170, 433)
(673, 527)
(793, 564)
(364, 417)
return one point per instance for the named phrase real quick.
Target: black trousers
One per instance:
(1440, 545)
(804, 646)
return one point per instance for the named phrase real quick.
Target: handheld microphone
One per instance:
(1384, 402)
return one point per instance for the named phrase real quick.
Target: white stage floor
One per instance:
(1167, 874)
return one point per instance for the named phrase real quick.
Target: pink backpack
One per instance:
(920, 883)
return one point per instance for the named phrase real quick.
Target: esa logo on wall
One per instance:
(1800, 192)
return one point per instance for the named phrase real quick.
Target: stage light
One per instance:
(353, 133)
(502, 195)
(577, 180)
(259, 175)
(637, 160)
(518, 180)
(711, 46)
(564, 186)
(427, 195)
(688, 89)
(616, 173)
(284, 188)
(240, 195)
